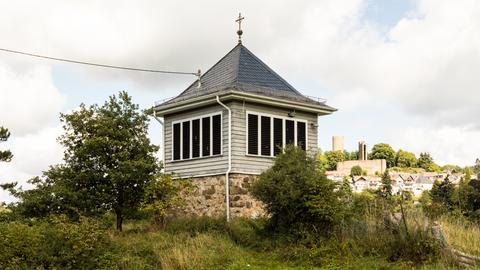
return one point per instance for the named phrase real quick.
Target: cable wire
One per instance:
(98, 65)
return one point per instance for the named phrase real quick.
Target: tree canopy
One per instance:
(383, 151)
(108, 162)
(5, 155)
(476, 168)
(297, 194)
(356, 171)
(405, 159)
(425, 161)
(333, 157)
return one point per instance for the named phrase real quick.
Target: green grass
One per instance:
(462, 235)
(213, 244)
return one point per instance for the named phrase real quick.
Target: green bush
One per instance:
(55, 244)
(298, 196)
(356, 170)
(418, 247)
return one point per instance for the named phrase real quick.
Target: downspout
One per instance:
(163, 134)
(227, 173)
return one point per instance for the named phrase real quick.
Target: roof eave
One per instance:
(239, 95)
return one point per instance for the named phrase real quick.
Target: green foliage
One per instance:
(418, 247)
(425, 161)
(108, 162)
(46, 197)
(55, 244)
(468, 174)
(470, 195)
(352, 156)
(452, 168)
(164, 196)
(333, 157)
(476, 168)
(386, 188)
(383, 151)
(356, 171)
(322, 161)
(5, 155)
(442, 194)
(405, 159)
(407, 170)
(298, 196)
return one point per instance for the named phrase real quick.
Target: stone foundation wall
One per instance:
(208, 199)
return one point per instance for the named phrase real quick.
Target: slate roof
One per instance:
(241, 70)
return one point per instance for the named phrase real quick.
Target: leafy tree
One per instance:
(49, 195)
(452, 168)
(383, 151)
(356, 171)
(472, 195)
(425, 161)
(322, 161)
(298, 196)
(476, 168)
(442, 193)
(333, 157)
(5, 155)
(353, 155)
(468, 175)
(386, 188)
(405, 159)
(109, 161)
(164, 195)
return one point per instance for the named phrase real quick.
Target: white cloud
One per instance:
(425, 65)
(29, 100)
(448, 145)
(33, 153)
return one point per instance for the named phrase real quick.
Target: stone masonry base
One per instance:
(208, 199)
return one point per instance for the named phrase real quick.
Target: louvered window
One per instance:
(195, 138)
(301, 135)
(277, 135)
(289, 132)
(267, 135)
(176, 141)
(199, 137)
(253, 134)
(216, 136)
(186, 140)
(206, 136)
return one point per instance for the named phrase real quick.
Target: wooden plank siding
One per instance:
(199, 166)
(241, 163)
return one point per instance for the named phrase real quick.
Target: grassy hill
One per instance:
(209, 244)
(205, 243)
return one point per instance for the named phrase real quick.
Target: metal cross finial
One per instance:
(239, 32)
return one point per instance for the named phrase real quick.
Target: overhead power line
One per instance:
(100, 65)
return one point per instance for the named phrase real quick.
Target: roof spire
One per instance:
(239, 32)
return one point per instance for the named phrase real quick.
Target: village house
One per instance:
(415, 183)
(227, 127)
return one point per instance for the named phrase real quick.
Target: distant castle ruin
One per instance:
(371, 167)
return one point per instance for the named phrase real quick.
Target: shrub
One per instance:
(164, 196)
(356, 170)
(418, 247)
(55, 244)
(298, 196)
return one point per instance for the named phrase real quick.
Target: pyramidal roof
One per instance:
(241, 70)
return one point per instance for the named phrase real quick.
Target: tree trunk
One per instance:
(119, 216)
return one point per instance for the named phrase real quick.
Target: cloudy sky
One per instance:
(403, 72)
